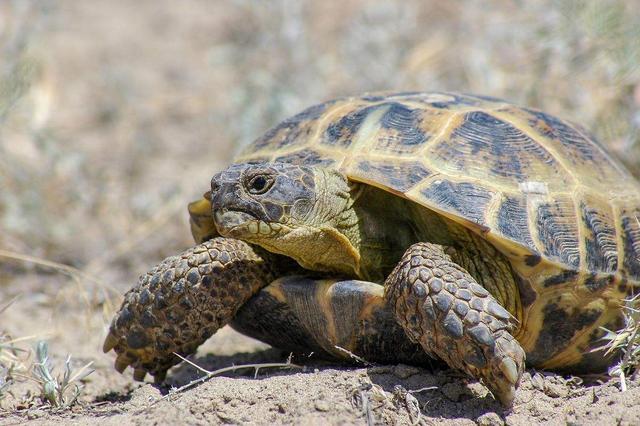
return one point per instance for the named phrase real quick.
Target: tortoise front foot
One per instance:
(443, 308)
(182, 301)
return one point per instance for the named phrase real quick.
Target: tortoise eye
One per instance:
(259, 184)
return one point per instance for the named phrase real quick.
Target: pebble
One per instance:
(402, 371)
(452, 391)
(490, 419)
(322, 405)
(35, 414)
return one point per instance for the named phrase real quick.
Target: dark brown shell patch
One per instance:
(306, 157)
(557, 231)
(568, 137)
(558, 328)
(631, 241)
(405, 122)
(398, 176)
(341, 132)
(497, 146)
(513, 222)
(600, 240)
(292, 130)
(464, 198)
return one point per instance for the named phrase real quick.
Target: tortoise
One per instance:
(401, 227)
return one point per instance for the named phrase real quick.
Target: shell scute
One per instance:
(401, 176)
(305, 157)
(599, 236)
(405, 122)
(630, 230)
(486, 147)
(291, 131)
(466, 199)
(556, 223)
(581, 155)
(341, 132)
(512, 220)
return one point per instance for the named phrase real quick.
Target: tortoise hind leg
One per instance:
(328, 317)
(441, 306)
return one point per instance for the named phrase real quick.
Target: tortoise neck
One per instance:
(382, 226)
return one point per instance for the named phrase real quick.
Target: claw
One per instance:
(110, 342)
(139, 374)
(122, 362)
(509, 369)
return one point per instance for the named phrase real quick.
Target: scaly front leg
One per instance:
(181, 302)
(444, 309)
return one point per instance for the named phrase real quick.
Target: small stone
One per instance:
(452, 391)
(35, 414)
(555, 390)
(322, 405)
(490, 419)
(537, 381)
(402, 371)
(381, 369)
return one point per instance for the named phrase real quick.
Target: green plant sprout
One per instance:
(627, 341)
(60, 392)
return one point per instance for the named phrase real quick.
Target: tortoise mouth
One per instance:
(231, 221)
(240, 224)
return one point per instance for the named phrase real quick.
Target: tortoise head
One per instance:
(300, 211)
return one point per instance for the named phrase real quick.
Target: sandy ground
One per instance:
(114, 115)
(318, 392)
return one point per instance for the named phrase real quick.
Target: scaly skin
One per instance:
(182, 301)
(443, 308)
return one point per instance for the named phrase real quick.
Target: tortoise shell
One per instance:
(542, 190)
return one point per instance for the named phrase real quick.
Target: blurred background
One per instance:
(114, 115)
